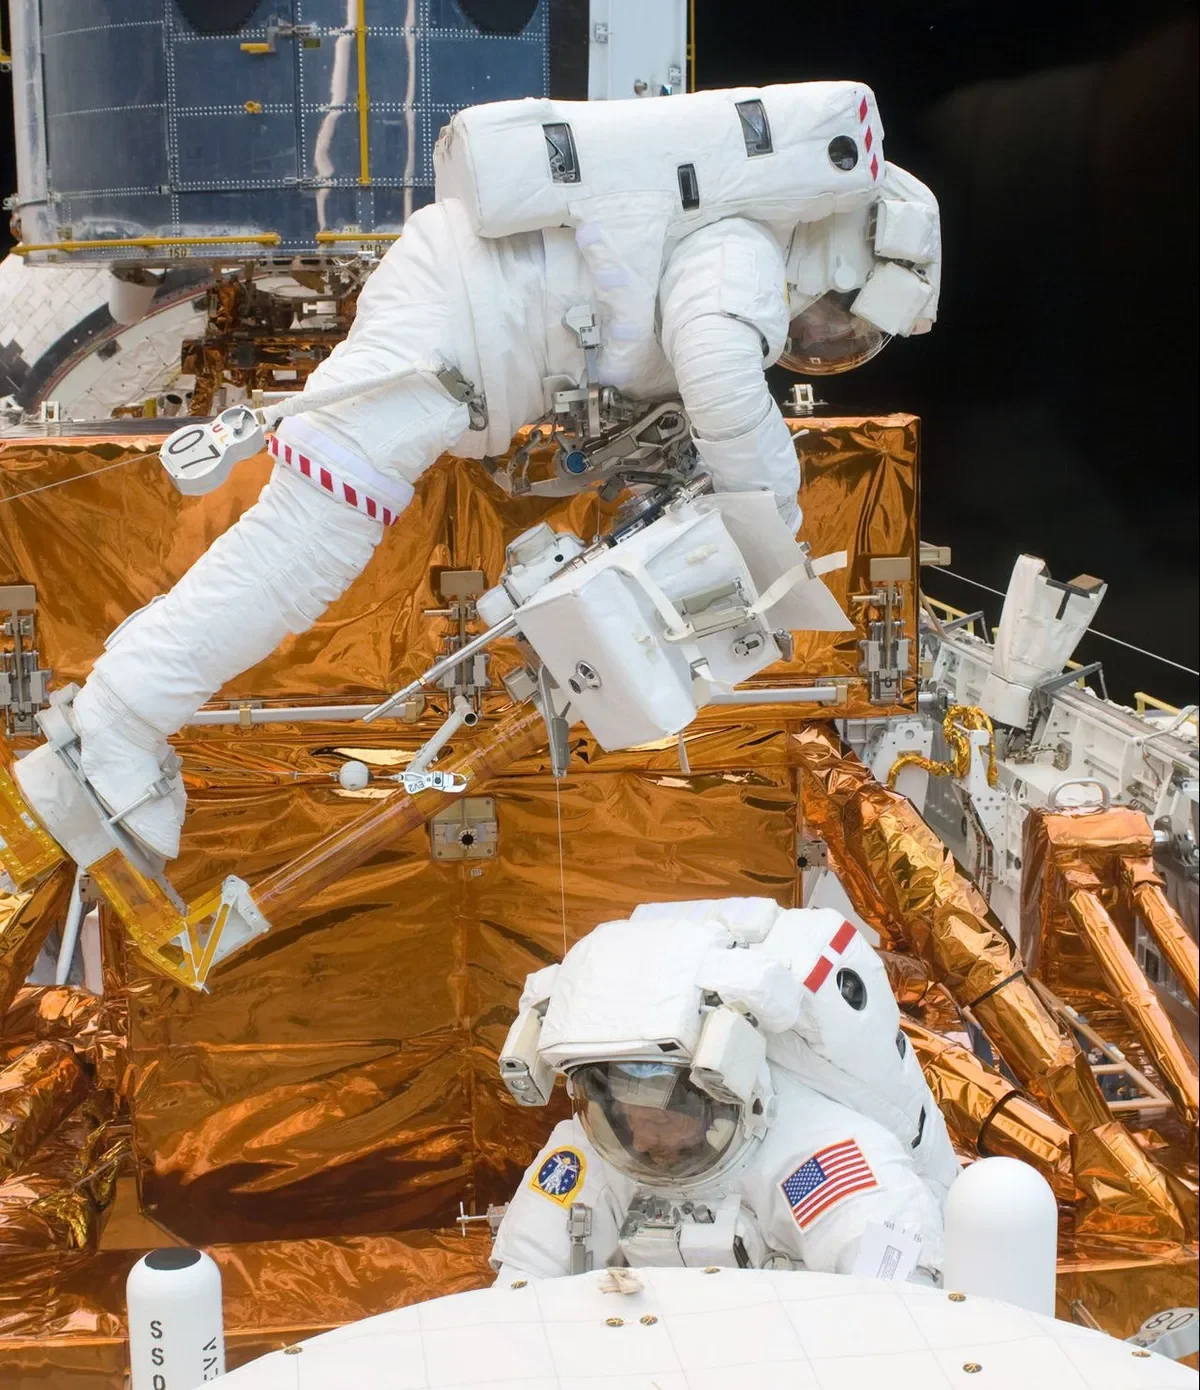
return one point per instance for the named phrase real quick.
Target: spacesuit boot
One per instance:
(130, 765)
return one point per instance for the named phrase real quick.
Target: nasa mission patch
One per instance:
(561, 1176)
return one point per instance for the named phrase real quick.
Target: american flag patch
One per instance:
(831, 1174)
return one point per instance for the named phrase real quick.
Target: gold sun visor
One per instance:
(827, 338)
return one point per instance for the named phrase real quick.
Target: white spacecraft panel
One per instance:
(689, 1329)
(636, 49)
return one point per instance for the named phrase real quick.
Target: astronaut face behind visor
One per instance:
(827, 338)
(650, 1121)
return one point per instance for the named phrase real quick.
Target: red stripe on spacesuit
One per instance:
(818, 974)
(843, 937)
(868, 137)
(327, 480)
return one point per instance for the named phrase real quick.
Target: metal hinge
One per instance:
(24, 683)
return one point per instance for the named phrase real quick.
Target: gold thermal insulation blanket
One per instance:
(38, 1089)
(62, 1324)
(333, 1097)
(904, 882)
(116, 533)
(338, 1078)
(27, 917)
(1087, 876)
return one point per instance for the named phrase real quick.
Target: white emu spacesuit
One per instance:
(705, 236)
(742, 1096)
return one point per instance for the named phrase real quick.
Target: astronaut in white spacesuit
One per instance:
(742, 1096)
(782, 236)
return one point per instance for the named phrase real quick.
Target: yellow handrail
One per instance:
(146, 243)
(360, 36)
(1142, 701)
(324, 238)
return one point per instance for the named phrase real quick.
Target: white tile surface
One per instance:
(740, 1330)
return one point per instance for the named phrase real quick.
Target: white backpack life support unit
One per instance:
(635, 635)
(781, 155)
(633, 178)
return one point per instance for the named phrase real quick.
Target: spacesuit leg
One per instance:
(273, 573)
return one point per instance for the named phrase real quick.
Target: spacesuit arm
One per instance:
(533, 1240)
(879, 1184)
(724, 314)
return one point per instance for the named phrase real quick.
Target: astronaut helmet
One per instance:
(652, 1122)
(827, 337)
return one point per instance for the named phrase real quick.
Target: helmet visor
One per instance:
(650, 1121)
(827, 338)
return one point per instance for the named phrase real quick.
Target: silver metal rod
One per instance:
(447, 663)
(70, 936)
(781, 695)
(285, 714)
(459, 715)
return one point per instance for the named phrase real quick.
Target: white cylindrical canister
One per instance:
(1002, 1234)
(176, 1333)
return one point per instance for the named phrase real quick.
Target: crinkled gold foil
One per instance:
(92, 1025)
(1148, 1018)
(1121, 1283)
(986, 1114)
(58, 1200)
(62, 1322)
(1164, 924)
(111, 538)
(901, 877)
(26, 919)
(339, 1076)
(903, 881)
(37, 1091)
(55, 1013)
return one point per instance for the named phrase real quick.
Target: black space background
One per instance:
(1058, 390)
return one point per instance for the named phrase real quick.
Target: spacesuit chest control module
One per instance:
(742, 1096)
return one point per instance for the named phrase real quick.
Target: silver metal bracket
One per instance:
(466, 830)
(800, 401)
(458, 590)
(714, 610)
(24, 683)
(452, 381)
(493, 1216)
(811, 854)
(557, 728)
(885, 650)
(414, 782)
(579, 1229)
